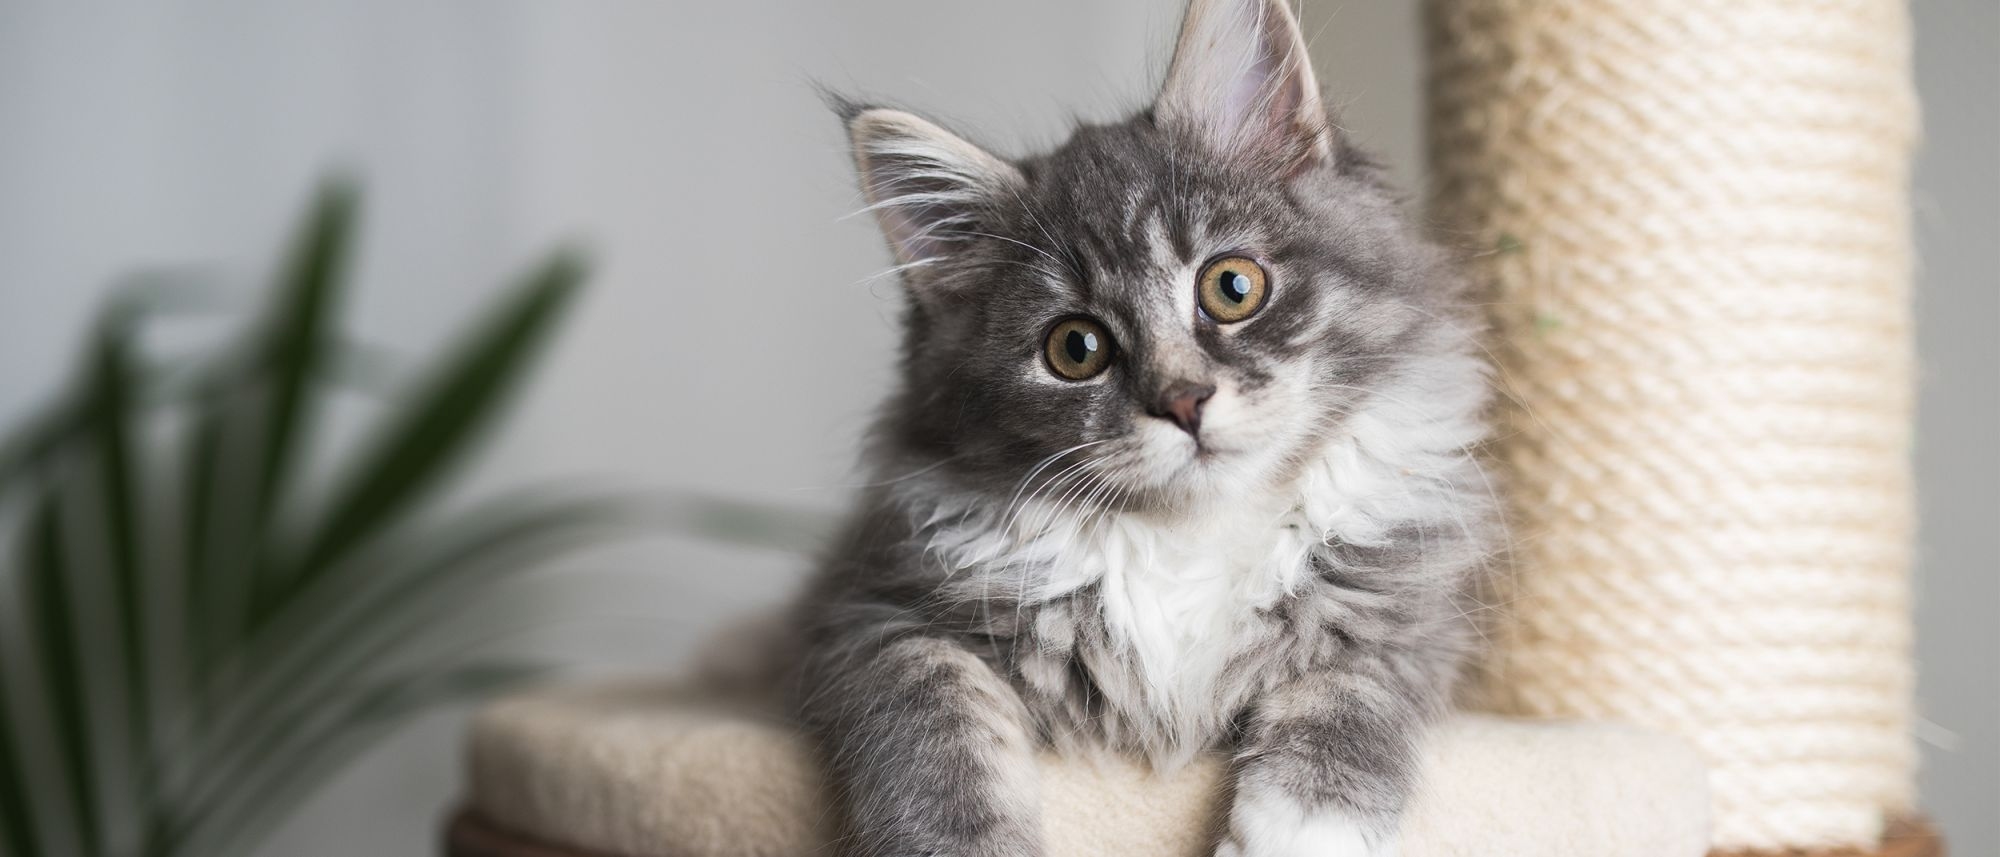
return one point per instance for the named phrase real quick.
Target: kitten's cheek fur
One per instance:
(1267, 825)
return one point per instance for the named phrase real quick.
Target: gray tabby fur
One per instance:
(1043, 562)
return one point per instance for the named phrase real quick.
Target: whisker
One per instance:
(974, 233)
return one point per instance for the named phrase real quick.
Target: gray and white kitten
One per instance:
(1181, 459)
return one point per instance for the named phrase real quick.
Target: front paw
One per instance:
(1278, 828)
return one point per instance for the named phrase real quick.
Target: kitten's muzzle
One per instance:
(1182, 402)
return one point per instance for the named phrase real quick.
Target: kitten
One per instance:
(1180, 459)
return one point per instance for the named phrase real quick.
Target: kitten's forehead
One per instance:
(1150, 287)
(1128, 199)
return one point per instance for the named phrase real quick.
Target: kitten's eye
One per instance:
(1078, 348)
(1232, 288)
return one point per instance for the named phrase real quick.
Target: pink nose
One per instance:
(1182, 403)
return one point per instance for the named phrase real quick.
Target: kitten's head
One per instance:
(1183, 305)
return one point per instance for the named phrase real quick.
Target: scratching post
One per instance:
(1694, 218)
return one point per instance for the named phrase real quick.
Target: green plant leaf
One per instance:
(255, 404)
(259, 800)
(333, 634)
(216, 495)
(294, 343)
(296, 339)
(34, 441)
(284, 631)
(366, 608)
(17, 819)
(46, 567)
(117, 525)
(198, 466)
(419, 444)
(139, 298)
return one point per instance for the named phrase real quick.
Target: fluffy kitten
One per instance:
(1180, 459)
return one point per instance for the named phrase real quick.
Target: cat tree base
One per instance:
(469, 835)
(645, 769)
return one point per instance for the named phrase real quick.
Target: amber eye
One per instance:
(1078, 348)
(1232, 288)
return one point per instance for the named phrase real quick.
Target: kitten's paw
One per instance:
(1280, 828)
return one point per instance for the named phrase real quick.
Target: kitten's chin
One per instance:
(1197, 478)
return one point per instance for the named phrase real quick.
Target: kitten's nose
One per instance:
(1182, 403)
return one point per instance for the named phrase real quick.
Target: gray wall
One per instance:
(733, 339)
(1958, 421)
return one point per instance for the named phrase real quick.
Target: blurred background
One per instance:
(734, 336)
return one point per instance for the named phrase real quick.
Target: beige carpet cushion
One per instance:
(643, 769)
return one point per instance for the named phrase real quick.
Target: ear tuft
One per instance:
(1241, 79)
(925, 184)
(840, 103)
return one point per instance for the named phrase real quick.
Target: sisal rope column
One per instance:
(1694, 218)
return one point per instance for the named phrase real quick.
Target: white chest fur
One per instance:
(1176, 594)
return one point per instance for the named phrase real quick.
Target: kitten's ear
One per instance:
(1240, 77)
(925, 184)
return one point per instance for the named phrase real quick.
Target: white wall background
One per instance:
(731, 339)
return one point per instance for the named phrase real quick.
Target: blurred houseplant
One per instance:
(197, 635)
